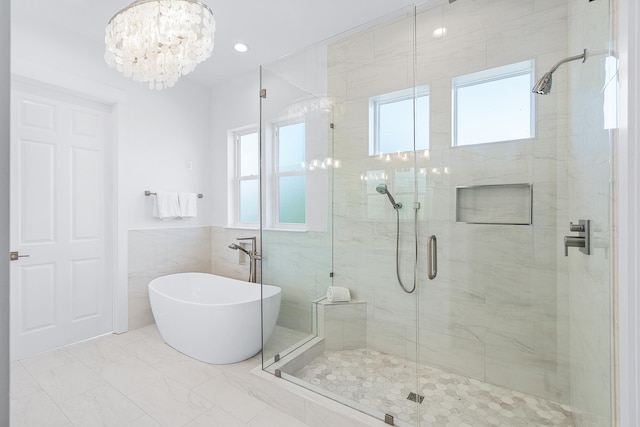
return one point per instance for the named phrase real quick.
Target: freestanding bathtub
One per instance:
(212, 318)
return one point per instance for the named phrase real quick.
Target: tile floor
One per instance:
(134, 380)
(384, 382)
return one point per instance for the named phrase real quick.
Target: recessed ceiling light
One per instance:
(241, 47)
(439, 32)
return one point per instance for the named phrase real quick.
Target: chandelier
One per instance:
(157, 41)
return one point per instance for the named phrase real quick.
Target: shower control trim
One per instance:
(582, 241)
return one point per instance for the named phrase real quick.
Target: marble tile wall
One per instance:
(158, 252)
(498, 310)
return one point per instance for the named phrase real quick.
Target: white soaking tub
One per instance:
(212, 318)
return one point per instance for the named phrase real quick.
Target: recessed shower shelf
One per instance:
(501, 204)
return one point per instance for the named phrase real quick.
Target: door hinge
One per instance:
(263, 93)
(332, 126)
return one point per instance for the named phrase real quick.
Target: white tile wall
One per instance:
(158, 252)
(500, 299)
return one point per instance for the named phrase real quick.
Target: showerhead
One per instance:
(543, 86)
(236, 247)
(382, 189)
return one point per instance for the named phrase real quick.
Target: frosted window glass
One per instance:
(291, 199)
(249, 201)
(291, 150)
(249, 154)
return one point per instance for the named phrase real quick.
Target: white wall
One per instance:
(234, 105)
(628, 232)
(163, 129)
(4, 212)
(158, 132)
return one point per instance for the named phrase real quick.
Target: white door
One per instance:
(60, 192)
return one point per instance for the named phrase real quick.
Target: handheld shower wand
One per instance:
(382, 189)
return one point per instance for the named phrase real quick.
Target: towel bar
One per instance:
(149, 193)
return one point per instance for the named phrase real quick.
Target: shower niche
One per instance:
(434, 105)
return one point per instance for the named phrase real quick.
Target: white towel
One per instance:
(188, 205)
(338, 294)
(165, 205)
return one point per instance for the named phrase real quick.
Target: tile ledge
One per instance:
(353, 417)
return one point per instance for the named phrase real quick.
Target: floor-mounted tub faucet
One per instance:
(253, 256)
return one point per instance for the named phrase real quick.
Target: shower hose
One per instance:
(415, 261)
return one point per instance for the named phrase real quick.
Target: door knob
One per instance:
(15, 256)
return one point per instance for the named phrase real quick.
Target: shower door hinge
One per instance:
(388, 419)
(263, 93)
(276, 358)
(331, 126)
(331, 274)
(278, 373)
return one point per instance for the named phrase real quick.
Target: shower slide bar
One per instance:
(149, 193)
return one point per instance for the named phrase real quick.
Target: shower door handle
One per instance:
(432, 255)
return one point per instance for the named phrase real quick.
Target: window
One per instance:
(391, 121)
(493, 105)
(247, 185)
(289, 174)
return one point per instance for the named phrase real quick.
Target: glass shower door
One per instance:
(296, 167)
(511, 331)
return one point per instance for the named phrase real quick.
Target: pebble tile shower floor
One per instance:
(384, 382)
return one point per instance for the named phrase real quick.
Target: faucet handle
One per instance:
(576, 227)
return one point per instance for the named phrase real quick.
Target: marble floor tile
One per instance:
(102, 406)
(129, 375)
(145, 421)
(170, 403)
(228, 396)
(22, 383)
(66, 381)
(271, 417)
(37, 410)
(216, 417)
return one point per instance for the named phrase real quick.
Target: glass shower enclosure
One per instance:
(409, 162)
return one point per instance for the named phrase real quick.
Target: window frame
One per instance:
(375, 102)
(235, 137)
(491, 75)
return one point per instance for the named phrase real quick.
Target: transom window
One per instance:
(493, 105)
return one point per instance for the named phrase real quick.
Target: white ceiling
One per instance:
(272, 28)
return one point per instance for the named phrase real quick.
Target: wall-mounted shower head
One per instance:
(543, 86)
(382, 189)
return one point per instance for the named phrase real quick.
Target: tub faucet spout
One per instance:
(253, 256)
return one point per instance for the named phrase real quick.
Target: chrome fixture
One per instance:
(150, 193)
(582, 240)
(382, 189)
(543, 86)
(252, 254)
(432, 255)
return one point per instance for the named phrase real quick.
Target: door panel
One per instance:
(62, 292)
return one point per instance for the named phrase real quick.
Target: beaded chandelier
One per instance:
(157, 41)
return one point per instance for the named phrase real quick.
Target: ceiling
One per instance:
(272, 28)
